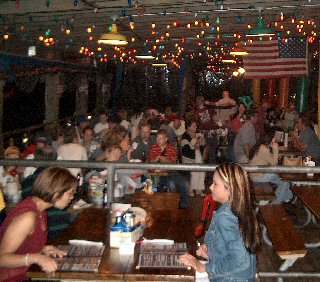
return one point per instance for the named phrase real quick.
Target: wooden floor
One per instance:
(268, 261)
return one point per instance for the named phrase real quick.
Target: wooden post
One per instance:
(319, 96)
(2, 82)
(283, 93)
(272, 91)
(82, 96)
(256, 92)
(52, 96)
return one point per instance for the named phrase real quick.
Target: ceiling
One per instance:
(220, 25)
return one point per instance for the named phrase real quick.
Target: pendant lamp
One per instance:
(159, 63)
(113, 37)
(239, 51)
(228, 59)
(145, 55)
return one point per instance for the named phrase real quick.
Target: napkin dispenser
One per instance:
(308, 162)
(121, 233)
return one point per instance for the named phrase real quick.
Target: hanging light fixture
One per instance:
(239, 51)
(145, 55)
(228, 59)
(113, 37)
(262, 29)
(159, 63)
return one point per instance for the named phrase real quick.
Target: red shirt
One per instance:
(170, 153)
(205, 118)
(33, 243)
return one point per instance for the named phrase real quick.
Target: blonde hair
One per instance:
(237, 182)
(52, 183)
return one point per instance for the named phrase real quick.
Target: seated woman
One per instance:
(266, 152)
(55, 187)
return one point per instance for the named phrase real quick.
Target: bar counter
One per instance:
(93, 224)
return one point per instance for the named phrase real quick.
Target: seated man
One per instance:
(306, 140)
(143, 142)
(163, 152)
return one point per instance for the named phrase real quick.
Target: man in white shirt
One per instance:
(102, 125)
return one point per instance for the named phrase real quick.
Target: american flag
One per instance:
(276, 59)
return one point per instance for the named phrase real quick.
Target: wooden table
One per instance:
(92, 224)
(310, 197)
(301, 178)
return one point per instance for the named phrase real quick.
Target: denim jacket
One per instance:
(229, 260)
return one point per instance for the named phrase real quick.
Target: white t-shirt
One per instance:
(72, 152)
(100, 126)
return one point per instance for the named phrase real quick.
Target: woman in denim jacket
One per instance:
(233, 237)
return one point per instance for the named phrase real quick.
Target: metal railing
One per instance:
(113, 166)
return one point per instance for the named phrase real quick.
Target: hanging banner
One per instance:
(302, 95)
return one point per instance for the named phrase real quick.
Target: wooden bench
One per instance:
(285, 238)
(263, 193)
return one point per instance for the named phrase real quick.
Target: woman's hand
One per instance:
(52, 251)
(203, 251)
(191, 261)
(47, 263)
(274, 144)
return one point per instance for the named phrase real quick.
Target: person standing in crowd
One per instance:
(54, 187)
(306, 140)
(164, 152)
(82, 123)
(72, 150)
(143, 143)
(266, 152)
(261, 117)
(192, 146)
(102, 125)
(205, 118)
(232, 240)
(88, 141)
(245, 139)
(227, 107)
(237, 120)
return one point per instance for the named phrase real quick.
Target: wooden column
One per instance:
(82, 96)
(2, 82)
(52, 96)
(272, 91)
(256, 92)
(283, 93)
(319, 96)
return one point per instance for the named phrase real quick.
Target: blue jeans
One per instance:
(283, 192)
(175, 182)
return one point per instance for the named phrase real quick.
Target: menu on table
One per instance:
(161, 255)
(80, 258)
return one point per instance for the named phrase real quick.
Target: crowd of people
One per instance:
(209, 132)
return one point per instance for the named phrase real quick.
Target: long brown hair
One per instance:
(237, 181)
